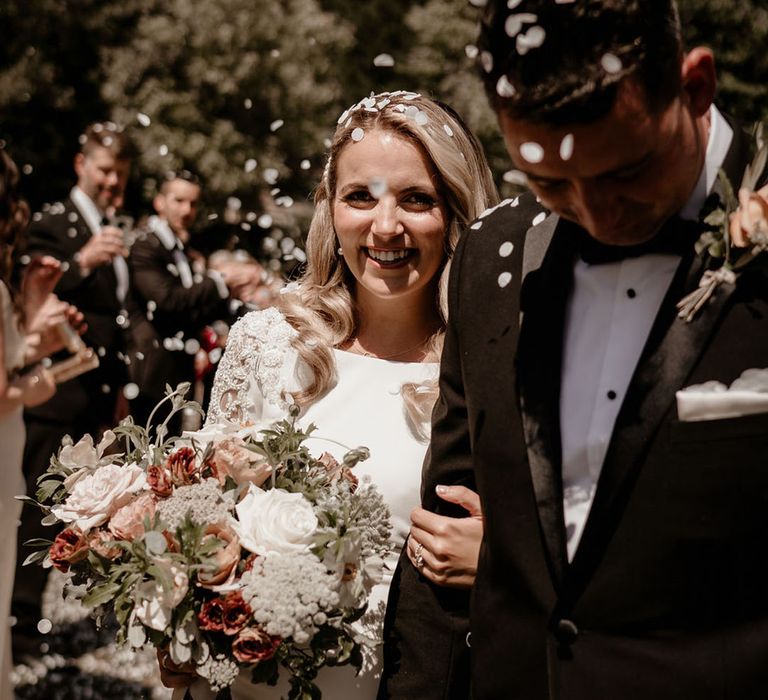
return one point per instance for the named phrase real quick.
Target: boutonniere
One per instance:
(739, 222)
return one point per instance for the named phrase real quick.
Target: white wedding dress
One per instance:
(365, 407)
(12, 440)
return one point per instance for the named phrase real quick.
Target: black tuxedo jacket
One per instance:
(61, 233)
(177, 312)
(667, 595)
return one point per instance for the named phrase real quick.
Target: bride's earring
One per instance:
(340, 251)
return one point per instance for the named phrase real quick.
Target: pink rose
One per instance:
(253, 645)
(242, 465)
(128, 522)
(224, 560)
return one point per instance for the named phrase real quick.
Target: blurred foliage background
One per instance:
(245, 92)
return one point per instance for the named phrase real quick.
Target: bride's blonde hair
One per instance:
(321, 307)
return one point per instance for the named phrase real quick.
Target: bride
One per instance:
(357, 341)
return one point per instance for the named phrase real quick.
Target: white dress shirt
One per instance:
(609, 316)
(93, 217)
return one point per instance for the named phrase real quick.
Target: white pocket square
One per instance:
(714, 400)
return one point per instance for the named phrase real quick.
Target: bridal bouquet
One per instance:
(231, 548)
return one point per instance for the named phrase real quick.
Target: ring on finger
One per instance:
(419, 556)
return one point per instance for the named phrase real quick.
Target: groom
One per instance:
(626, 546)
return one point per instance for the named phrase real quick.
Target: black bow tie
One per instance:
(676, 237)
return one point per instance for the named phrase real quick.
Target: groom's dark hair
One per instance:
(561, 61)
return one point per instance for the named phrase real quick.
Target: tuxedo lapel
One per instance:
(669, 356)
(543, 300)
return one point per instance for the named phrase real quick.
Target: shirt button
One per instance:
(566, 631)
(611, 394)
(631, 293)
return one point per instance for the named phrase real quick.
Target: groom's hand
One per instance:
(444, 549)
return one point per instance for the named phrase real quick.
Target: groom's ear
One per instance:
(699, 80)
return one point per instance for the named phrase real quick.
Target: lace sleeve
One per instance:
(256, 352)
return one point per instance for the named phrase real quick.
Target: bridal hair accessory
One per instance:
(716, 240)
(229, 549)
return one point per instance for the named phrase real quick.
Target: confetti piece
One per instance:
(566, 147)
(539, 218)
(384, 60)
(532, 39)
(504, 279)
(514, 24)
(143, 119)
(476, 226)
(512, 4)
(131, 391)
(250, 165)
(305, 164)
(357, 134)
(486, 61)
(44, 626)
(264, 221)
(611, 63)
(506, 248)
(377, 187)
(448, 130)
(471, 50)
(532, 152)
(163, 150)
(421, 118)
(504, 88)
(271, 175)
(275, 125)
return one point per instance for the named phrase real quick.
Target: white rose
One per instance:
(83, 457)
(96, 496)
(222, 430)
(274, 521)
(154, 604)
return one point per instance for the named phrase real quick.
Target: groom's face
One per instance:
(619, 177)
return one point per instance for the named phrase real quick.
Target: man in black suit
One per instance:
(173, 298)
(624, 548)
(78, 232)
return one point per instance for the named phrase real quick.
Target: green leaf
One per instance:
(35, 557)
(100, 595)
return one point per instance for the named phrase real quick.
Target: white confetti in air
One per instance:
(357, 134)
(611, 63)
(163, 150)
(514, 24)
(532, 152)
(275, 53)
(264, 221)
(532, 39)
(515, 177)
(327, 143)
(384, 60)
(275, 125)
(44, 626)
(305, 164)
(234, 203)
(27, 169)
(284, 201)
(245, 226)
(271, 175)
(504, 279)
(448, 130)
(478, 3)
(486, 61)
(539, 218)
(131, 391)
(506, 248)
(471, 50)
(143, 119)
(566, 147)
(504, 88)
(477, 226)
(247, 103)
(421, 118)
(512, 4)
(377, 187)
(191, 346)
(250, 165)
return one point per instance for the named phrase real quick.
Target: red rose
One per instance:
(237, 613)
(211, 615)
(253, 645)
(182, 466)
(159, 481)
(69, 547)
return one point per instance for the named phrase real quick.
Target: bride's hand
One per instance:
(444, 549)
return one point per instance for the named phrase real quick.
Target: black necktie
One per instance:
(676, 237)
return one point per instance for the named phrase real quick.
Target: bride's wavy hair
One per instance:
(322, 307)
(14, 217)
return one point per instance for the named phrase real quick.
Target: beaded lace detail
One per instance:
(256, 350)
